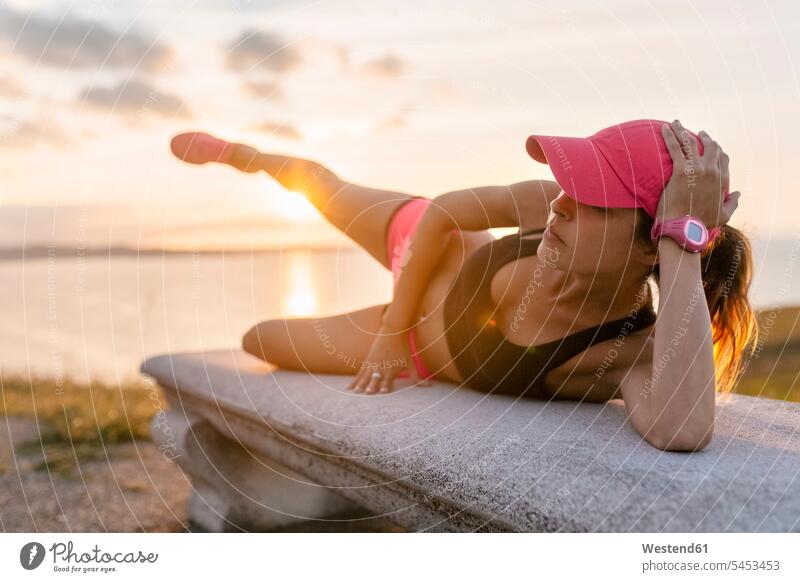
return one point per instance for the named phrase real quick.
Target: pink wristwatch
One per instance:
(689, 232)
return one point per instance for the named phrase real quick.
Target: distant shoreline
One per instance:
(44, 252)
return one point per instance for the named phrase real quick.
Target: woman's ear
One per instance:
(651, 252)
(646, 252)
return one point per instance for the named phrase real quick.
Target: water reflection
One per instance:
(298, 294)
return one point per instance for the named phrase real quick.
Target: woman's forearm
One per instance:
(681, 398)
(427, 247)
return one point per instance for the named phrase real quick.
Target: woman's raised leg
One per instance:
(362, 213)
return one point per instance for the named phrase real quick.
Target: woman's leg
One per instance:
(323, 345)
(362, 213)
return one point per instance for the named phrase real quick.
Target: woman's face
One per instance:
(594, 239)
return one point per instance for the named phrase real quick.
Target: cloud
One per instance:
(279, 130)
(397, 120)
(321, 50)
(214, 6)
(343, 53)
(135, 97)
(10, 88)
(27, 133)
(79, 44)
(262, 50)
(264, 89)
(386, 66)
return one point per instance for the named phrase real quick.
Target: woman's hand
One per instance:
(388, 356)
(698, 183)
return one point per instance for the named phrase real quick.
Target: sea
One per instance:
(97, 317)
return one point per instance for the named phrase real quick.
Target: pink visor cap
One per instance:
(622, 166)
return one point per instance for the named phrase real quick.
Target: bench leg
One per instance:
(233, 488)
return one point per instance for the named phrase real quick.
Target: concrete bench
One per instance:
(266, 448)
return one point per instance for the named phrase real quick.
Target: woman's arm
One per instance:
(680, 397)
(671, 401)
(520, 204)
(473, 209)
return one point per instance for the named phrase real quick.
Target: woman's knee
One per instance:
(334, 344)
(256, 340)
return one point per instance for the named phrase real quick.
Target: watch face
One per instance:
(693, 232)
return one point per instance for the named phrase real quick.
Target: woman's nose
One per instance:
(561, 205)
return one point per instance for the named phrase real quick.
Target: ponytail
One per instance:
(727, 269)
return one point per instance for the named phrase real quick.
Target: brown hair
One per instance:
(727, 269)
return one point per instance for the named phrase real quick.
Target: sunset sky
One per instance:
(418, 97)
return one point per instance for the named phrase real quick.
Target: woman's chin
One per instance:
(549, 254)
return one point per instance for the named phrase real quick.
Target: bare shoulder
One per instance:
(596, 374)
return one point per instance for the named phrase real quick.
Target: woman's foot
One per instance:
(200, 148)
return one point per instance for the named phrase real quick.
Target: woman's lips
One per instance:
(549, 233)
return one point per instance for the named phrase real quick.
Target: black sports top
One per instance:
(485, 359)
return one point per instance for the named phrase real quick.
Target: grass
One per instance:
(57, 456)
(77, 421)
(773, 372)
(94, 412)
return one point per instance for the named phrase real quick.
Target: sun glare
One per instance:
(295, 207)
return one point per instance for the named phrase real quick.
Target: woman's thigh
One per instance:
(364, 214)
(324, 345)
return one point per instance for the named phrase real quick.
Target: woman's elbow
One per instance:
(686, 441)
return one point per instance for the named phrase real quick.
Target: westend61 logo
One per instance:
(32, 555)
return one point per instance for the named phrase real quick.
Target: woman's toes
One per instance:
(200, 148)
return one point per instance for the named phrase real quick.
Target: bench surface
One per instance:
(450, 458)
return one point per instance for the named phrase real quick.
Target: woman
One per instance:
(561, 309)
